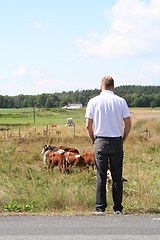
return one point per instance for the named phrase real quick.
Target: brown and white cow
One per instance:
(47, 149)
(89, 159)
(56, 159)
(74, 159)
(69, 149)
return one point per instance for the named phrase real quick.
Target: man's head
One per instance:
(107, 83)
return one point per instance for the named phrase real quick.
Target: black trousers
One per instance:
(111, 149)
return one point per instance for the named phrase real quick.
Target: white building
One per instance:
(73, 106)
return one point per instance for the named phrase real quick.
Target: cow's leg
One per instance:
(52, 167)
(60, 166)
(64, 165)
(76, 167)
(87, 166)
(49, 164)
(92, 166)
(67, 167)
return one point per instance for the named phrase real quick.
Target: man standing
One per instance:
(106, 114)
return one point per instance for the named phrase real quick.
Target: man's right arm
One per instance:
(127, 128)
(89, 127)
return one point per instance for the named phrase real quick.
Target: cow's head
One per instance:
(45, 148)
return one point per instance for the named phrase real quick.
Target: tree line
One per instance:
(135, 96)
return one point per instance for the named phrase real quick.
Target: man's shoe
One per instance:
(98, 212)
(118, 212)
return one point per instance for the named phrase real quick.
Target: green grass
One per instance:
(24, 116)
(25, 185)
(26, 178)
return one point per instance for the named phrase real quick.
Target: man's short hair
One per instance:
(107, 82)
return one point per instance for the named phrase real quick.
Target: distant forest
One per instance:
(135, 96)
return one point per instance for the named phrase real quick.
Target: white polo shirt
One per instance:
(107, 111)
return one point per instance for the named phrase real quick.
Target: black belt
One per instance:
(108, 137)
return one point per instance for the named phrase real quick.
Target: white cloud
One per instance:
(150, 73)
(45, 84)
(36, 73)
(38, 25)
(82, 60)
(21, 71)
(134, 30)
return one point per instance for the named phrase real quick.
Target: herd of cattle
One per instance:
(66, 156)
(63, 157)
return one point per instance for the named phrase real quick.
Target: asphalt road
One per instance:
(80, 227)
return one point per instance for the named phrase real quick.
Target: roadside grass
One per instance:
(26, 187)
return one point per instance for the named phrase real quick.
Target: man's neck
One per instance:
(107, 89)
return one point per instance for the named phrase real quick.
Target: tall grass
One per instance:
(25, 185)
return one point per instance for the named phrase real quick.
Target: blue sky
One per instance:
(49, 46)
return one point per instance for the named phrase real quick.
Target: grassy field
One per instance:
(26, 187)
(43, 117)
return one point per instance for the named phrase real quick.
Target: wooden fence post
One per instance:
(47, 129)
(19, 132)
(34, 115)
(74, 129)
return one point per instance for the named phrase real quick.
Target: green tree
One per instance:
(49, 102)
(1, 101)
(41, 100)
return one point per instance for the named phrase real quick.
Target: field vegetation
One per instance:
(26, 187)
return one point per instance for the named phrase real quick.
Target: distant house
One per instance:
(73, 106)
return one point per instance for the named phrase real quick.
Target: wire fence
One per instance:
(22, 132)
